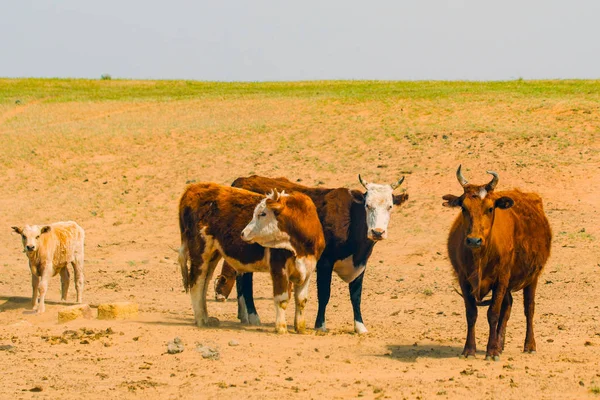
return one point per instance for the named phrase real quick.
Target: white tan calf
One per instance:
(50, 249)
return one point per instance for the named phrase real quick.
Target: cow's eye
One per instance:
(37, 237)
(262, 214)
(491, 210)
(389, 207)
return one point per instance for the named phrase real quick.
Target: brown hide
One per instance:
(224, 212)
(517, 249)
(297, 216)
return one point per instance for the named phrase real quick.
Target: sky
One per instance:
(278, 40)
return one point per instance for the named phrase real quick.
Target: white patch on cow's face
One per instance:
(264, 229)
(30, 236)
(378, 204)
(482, 193)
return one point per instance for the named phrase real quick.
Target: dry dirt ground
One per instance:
(119, 167)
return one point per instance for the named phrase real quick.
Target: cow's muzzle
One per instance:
(377, 234)
(474, 242)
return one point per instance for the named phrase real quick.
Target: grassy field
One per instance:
(115, 156)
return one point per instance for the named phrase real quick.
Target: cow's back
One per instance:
(66, 240)
(532, 235)
(219, 213)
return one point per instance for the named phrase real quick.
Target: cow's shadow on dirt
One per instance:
(223, 325)
(410, 353)
(8, 303)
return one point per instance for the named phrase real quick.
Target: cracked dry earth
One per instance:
(118, 169)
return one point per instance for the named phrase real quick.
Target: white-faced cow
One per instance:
(50, 249)
(224, 222)
(499, 242)
(353, 221)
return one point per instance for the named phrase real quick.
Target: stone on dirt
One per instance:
(73, 312)
(175, 346)
(210, 353)
(118, 310)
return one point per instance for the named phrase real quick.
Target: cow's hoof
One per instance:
(490, 358)
(360, 328)
(301, 328)
(253, 320)
(530, 351)
(281, 330)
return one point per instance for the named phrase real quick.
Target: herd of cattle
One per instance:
(499, 243)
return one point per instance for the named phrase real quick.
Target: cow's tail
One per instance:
(481, 303)
(183, 264)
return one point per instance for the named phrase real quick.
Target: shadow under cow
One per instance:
(8, 303)
(410, 353)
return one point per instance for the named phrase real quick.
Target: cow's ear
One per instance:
(504, 203)
(400, 198)
(358, 197)
(275, 205)
(336, 214)
(17, 229)
(46, 229)
(451, 201)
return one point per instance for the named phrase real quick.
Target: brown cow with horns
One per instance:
(500, 243)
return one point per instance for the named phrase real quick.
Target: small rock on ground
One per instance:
(208, 352)
(234, 343)
(175, 346)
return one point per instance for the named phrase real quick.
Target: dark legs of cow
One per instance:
(493, 346)
(471, 311)
(529, 305)
(324, 273)
(246, 309)
(355, 297)
(504, 316)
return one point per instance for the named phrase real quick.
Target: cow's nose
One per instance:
(474, 242)
(30, 248)
(377, 233)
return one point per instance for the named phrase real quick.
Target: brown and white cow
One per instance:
(499, 242)
(277, 233)
(50, 249)
(353, 221)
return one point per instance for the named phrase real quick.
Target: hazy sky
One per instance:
(301, 40)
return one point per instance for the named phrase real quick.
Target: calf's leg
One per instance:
(64, 283)
(35, 286)
(280, 289)
(79, 277)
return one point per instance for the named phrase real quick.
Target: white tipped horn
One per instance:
(461, 179)
(362, 182)
(490, 186)
(395, 185)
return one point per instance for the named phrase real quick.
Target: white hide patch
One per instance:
(264, 229)
(482, 193)
(346, 270)
(360, 328)
(378, 205)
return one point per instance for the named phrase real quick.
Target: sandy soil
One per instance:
(118, 169)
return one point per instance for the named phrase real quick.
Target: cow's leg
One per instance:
(201, 256)
(301, 279)
(504, 316)
(529, 306)
(43, 288)
(280, 290)
(64, 283)
(471, 312)
(324, 273)
(493, 346)
(248, 292)
(355, 297)
(79, 277)
(242, 309)
(35, 286)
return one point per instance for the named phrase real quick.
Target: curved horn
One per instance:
(362, 182)
(490, 186)
(395, 185)
(461, 179)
